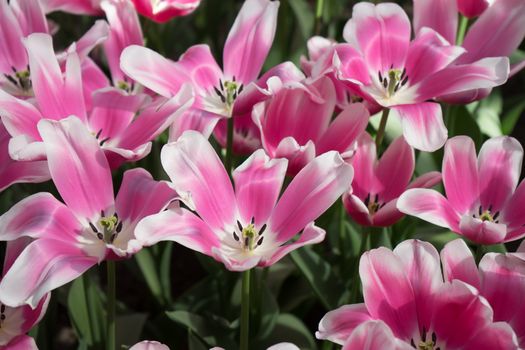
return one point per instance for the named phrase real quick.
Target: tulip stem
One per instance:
(463, 25)
(245, 310)
(355, 278)
(229, 147)
(382, 127)
(111, 290)
(319, 16)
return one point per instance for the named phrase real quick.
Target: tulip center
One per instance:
(124, 85)
(21, 79)
(2, 314)
(107, 228)
(248, 235)
(228, 92)
(486, 215)
(100, 141)
(393, 80)
(373, 204)
(424, 343)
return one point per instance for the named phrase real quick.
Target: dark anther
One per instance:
(116, 216)
(223, 99)
(2, 317)
(240, 89)
(259, 242)
(480, 210)
(11, 79)
(438, 348)
(104, 141)
(367, 199)
(112, 238)
(404, 81)
(380, 76)
(412, 343)
(385, 83)
(253, 220)
(261, 231)
(434, 337)
(424, 334)
(102, 213)
(246, 241)
(403, 73)
(382, 205)
(99, 235)
(376, 199)
(93, 227)
(396, 87)
(235, 236)
(235, 95)
(239, 225)
(98, 134)
(490, 208)
(220, 84)
(218, 92)
(119, 227)
(233, 78)
(495, 215)
(392, 66)
(3, 308)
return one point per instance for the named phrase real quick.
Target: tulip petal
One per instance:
(12, 53)
(395, 169)
(337, 325)
(18, 116)
(22, 342)
(512, 213)
(149, 345)
(250, 39)
(458, 263)
(498, 335)
(374, 335)
(198, 63)
(313, 190)
(482, 232)
(440, 15)
(194, 167)
(78, 167)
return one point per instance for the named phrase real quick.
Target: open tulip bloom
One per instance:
(246, 226)
(90, 227)
(482, 201)
(407, 305)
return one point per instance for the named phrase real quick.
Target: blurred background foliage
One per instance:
(188, 301)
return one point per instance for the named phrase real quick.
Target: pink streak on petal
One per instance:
(440, 15)
(337, 325)
(458, 263)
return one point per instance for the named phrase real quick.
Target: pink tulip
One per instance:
(482, 201)
(472, 8)
(91, 227)
(404, 75)
(246, 226)
(407, 305)
(217, 90)
(12, 172)
(17, 321)
(500, 279)
(149, 345)
(296, 123)
(113, 117)
(164, 10)
(79, 7)
(377, 185)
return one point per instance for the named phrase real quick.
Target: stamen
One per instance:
(380, 77)
(220, 84)
(261, 231)
(367, 200)
(385, 83)
(98, 134)
(235, 236)
(259, 242)
(104, 141)
(239, 225)
(93, 227)
(253, 220)
(496, 215)
(403, 83)
(100, 236)
(480, 210)
(119, 227)
(11, 79)
(403, 73)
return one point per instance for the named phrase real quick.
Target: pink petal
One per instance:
(349, 63)
(337, 325)
(18, 116)
(178, 225)
(22, 342)
(57, 96)
(313, 190)
(483, 41)
(429, 205)
(381, 32)
(458, 263)
(198, 120)
(298, 156)
(198, 63)
(423, 269)
(93, 79)
(482, 232)
(498, 335)
(426, 180)
(258, 183)
(149, 345)
(97, 34)
(344, 129)
(250, 39)
(364, 162)
(428, 54)
(310, 235)
(499, 163)
(485, 73)
(38, 216)
(387, 215)
(152, 70)
(27, 281)
(283, 346)
(440, 15)
(395, 169)
(125, 30)
(512, 213)
(388, 292)
(78, 167)
(194, 167)
(24, 148)
(79, 7)
(472, 8)
(423, 126)
(164, 10)
(12, 53)
(30, 15)
(374, 335)
(460, 173)
(357, 209)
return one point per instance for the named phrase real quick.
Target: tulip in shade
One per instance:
(164, 10)
(15, 322)
(92, 226)
(149, 345)
(377, 185)
(500, 279)
(482, 201)
(296, 123)
(408, 306)
(403, 75)
(246, 226)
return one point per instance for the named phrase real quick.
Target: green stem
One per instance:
(382, 127)
(111, 290)
(245, 310)
(229, 147)
(479, 252)
(319, 16)
(355, 277)
(463, 25)
(342, 217)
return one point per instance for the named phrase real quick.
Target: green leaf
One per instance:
(165, 272)
(269, 312)
(305, 17)
(148, 267)
(510, 118)
(319, 274)
(460, 122)
(487, 114)
(129, 328)
(291, 329)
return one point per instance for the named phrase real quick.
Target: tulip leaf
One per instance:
(487, 113)
(510, 118)
(305, 17)
(291, 329)
(148, 267)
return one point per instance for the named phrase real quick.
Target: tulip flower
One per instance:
(280, 346)
(164, 10)
(296, 123)
(149, 345)
(15, 322)
(90, 227)
(405, 75)
(79, 7)
(482, 201)
(246, 226)
(377, 185)
(217, 90)
(407, 305)
(500, 279)
(472, 8)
